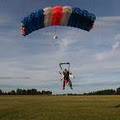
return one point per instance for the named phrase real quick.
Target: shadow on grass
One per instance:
(117, 106)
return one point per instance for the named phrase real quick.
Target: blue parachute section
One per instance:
(81, 19)
(33, 22)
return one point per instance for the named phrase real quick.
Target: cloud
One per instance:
(105, 55)
(5, 19)
(117, 37)
(112, 54)
(112, 19)
(4, 77)
(64, 43)
(108, 23)
(116, 46)
(98, 83)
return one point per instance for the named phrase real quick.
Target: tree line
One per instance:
(43, 92)
(25, 92)
(105, 92)
(100, 92)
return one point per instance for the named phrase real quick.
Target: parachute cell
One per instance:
(66, 12)
(47, 16)
(58, 15)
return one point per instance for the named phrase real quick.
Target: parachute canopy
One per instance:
(58, 15)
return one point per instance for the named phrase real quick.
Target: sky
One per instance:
(33, 61)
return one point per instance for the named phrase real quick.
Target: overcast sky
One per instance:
(32, 61)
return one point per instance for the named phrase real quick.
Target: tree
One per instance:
(1, 93)
(12, 92)
(19, 91)
(118, 91)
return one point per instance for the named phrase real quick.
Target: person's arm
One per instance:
(62, 75)
(70, 74)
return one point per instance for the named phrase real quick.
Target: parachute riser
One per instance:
(64, 64)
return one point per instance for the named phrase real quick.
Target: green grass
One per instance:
(59, 108)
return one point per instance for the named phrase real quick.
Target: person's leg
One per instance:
(63, 84)
(70, 84)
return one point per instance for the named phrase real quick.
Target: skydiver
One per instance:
(66, 78)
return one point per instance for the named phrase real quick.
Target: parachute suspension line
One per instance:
(55, 33)
(60, 66)
(55, 30)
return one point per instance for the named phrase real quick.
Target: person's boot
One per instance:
(71, 88)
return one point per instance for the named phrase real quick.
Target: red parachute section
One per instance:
(57, 15)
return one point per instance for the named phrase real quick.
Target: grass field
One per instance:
(59, 107)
